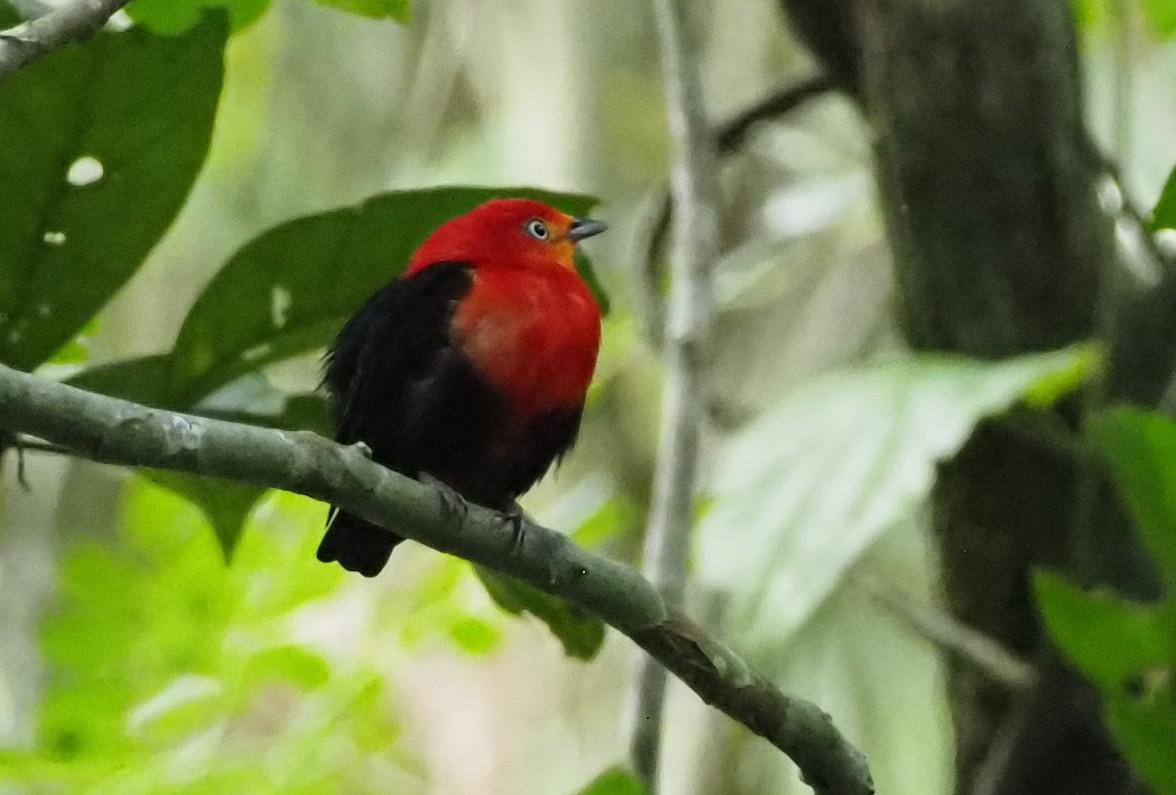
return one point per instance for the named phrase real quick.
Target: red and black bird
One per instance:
(471, 368)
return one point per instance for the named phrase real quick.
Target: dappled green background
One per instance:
(135, 659)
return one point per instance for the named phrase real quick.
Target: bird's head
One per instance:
(508, 232)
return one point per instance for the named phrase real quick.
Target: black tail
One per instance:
(357, 544)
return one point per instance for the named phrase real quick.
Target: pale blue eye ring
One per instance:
(537, 229)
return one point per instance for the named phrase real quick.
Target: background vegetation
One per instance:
(193, 205)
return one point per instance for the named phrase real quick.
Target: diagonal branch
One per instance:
(76, 21)
(119, 432)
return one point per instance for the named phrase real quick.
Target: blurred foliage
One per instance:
(1126, 648)
(172, 672)
(1161, 17)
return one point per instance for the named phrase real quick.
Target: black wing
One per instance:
(388, 347)
(376, 370)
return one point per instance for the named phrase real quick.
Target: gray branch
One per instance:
(694, 185)
(119, 432)
(76, 21)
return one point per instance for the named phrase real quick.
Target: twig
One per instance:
(979, 650)
(77, 21)
(729, 138)
(119, 432)
(694, 184)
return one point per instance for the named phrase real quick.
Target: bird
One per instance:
(469, 372)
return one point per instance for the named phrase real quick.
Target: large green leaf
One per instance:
(290, 289)
(1141, 449)
(805, 489)
(582, 634)
(102, 142)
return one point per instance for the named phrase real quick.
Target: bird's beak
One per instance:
(585, 227)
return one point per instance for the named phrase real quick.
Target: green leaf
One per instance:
(169, 17)
(374, 9)
(1144, 728)
(77, 350)
(472, 634)
(283, 293)
(1141, 449)
(141, 380)
(1161, 16)
(102, 142)
(615, 781)
(815, 480)
(1108, 637)
(1164, 215)
(290, 663)
(225, 503)
(582, 634)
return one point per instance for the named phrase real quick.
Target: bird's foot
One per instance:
(451, 502)
(516, 518)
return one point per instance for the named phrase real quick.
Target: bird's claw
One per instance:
(451, 502)
(516, 518)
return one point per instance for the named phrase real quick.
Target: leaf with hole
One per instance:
(102, 142)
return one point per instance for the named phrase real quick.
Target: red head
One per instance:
(511, 232)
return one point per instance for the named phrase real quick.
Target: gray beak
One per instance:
(585, 227)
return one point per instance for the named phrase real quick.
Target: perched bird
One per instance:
(470, 369)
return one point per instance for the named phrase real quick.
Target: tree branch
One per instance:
(695, 189)
(77, 21)
(119, 432)
(986, 654)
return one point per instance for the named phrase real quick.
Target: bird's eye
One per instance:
(537, 229)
